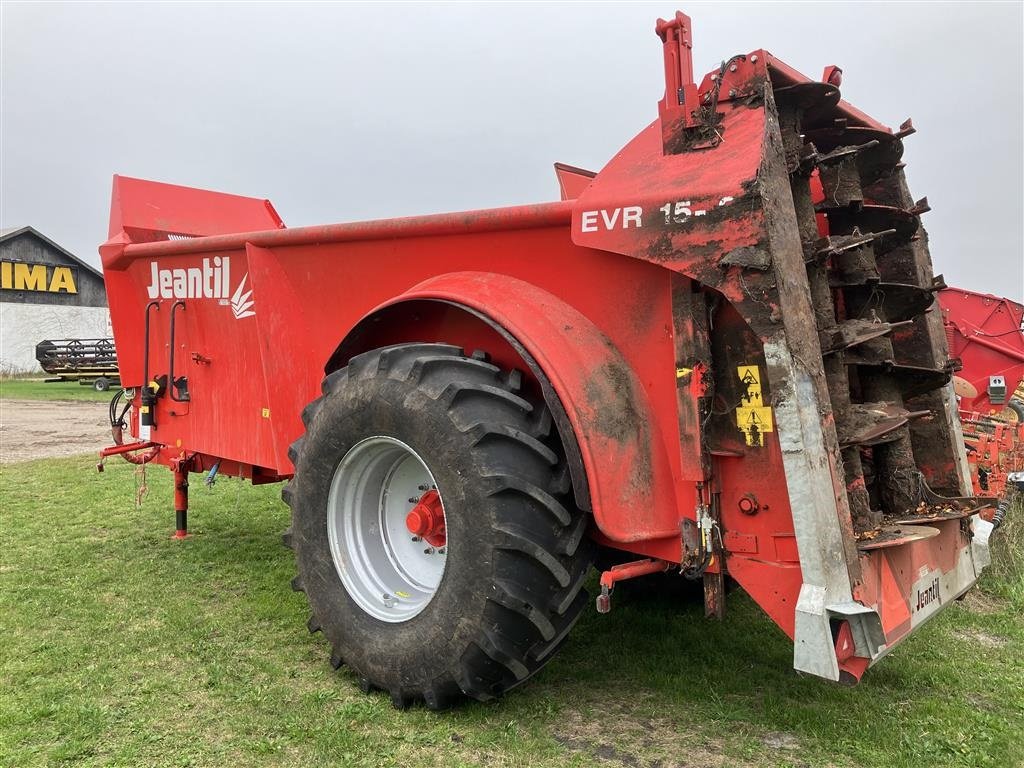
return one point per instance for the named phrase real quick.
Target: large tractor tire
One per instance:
(433, 525)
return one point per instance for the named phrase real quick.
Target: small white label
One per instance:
(144, 432)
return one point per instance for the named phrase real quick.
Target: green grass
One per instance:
(37, 389)
(119, 646)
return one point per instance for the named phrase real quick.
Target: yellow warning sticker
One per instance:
(753, 417)
(754, 422)
(266, 413)
(683, 372)
(750, 378)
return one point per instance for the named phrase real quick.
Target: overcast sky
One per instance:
(347, 112)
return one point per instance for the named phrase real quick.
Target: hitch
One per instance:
(127, 450)
(626, 571)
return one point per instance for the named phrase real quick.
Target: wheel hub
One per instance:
(386, 527)
(426, 519)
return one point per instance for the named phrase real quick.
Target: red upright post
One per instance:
(180, 467)
(679, 107)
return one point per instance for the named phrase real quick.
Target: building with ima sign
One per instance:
(46, 292)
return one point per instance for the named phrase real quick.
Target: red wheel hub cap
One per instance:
(426, 519)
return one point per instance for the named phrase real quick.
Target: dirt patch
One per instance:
(978, 601)
(983, 639)
(36, 429)
(619, 738)
(981, 702)
(780, 740)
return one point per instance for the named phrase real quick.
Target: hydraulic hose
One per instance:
(1000, 514)
(117, 426)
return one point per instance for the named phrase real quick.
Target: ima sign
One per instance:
(26, 276)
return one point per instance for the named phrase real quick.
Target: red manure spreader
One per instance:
(986, 334)
(712, 359)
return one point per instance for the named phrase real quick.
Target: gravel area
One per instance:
(36, 429)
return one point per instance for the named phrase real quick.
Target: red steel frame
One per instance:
(589, 302)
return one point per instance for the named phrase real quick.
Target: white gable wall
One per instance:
(22, 326)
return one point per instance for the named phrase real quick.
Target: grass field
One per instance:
(37, 389)
(123, 647)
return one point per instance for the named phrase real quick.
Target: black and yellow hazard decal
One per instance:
(753, 417)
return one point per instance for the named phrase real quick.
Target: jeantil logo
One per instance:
(929, 595)
(211, 281)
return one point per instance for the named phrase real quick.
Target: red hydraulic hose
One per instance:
(133, 458)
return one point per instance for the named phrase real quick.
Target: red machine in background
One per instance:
(985, 333)
(713, 357)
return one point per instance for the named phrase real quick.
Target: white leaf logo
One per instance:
(242, 303)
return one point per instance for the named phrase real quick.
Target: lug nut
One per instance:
(732, 68)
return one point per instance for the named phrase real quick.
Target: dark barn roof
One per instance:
(12, 232)
(27, 244)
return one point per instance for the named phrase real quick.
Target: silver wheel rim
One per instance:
(391, 573)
